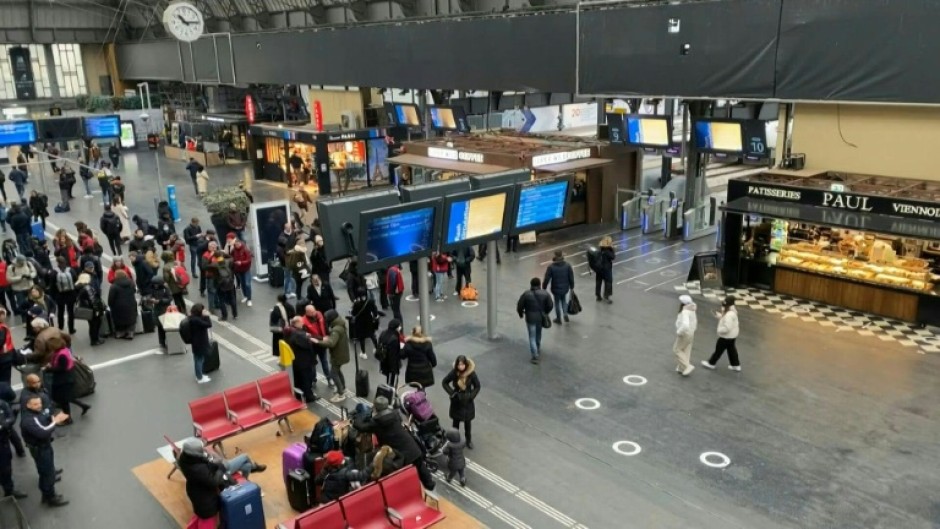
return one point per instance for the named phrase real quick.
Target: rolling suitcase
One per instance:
(149, 320)
(384, 390)
(300, 490)
(212, 362)
(241, 507)
(107, 325)
(275, 275)
(139, 324)
(362, 380)
(293, 458)
(38, 231)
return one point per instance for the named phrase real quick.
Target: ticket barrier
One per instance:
(672, 219)
(701, 221)
(630, 210)
(652, 210)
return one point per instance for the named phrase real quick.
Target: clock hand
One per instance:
(184, 21)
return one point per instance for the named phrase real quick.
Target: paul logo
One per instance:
(837, 200)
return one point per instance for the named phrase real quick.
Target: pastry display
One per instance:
(908, 272)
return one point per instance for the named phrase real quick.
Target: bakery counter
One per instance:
(905, 304)
(207, 159)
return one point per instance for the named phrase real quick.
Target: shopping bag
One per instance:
(574, 304)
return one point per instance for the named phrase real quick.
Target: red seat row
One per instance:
(222, 415)
(395, 501)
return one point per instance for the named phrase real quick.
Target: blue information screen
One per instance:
(539, 204)
(400, 234)
(17, 132)
(103, 127)
(476, 217)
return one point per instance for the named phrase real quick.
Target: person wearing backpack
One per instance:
(175, 278)
(89, 297)
(61, 364)
(64, 293)
(111, 227)
(220, 269)
(364, 323)
(195, 331)
(104, 181)
(389, 352)
(604, 271)
(559, 276)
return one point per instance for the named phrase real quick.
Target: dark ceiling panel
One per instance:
(628, 50)
(156, 60)
(859, 50)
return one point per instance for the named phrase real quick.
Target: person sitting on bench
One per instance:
(207, 474)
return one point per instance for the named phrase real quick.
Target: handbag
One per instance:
(84, 313)
(574, 305)
(344, 275)
(546, 321)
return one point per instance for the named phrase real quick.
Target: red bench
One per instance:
(406, 500)
(365, 509)
(280, 398)
(211, 420)
(244, 406)
(328, 516)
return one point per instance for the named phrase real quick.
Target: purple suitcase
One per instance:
(293, 458)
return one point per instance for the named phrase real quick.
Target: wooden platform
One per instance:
(263, 446)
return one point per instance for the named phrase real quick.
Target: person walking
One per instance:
(559, 278)
(111, 226)
(193, 237)
(395, 288)
(193, 167)
(65, 186)
(122, 302)
(534, 306)
(462, 385)
(727, 334)
(89, 297)
(20, 223)
(199, 325)
(605, 270)
(419, 353)
(440, 263)
(61, 365)
(305, 359)
(202, 181)
(686, 322)
(389, 352)
(114, 153)
(241, 265)
(338, 344)
(280, 317)
(18, 177)
(463, 263)
(38, 426)
(64, 293)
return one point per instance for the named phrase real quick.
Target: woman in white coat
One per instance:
(727, 334)
(120, 209)
(686, 322)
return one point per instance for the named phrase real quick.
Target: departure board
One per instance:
(17, 133)
(399, 235)
(541, 203)
(103, 126)
(475, 217)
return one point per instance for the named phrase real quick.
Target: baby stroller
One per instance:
(422, 422)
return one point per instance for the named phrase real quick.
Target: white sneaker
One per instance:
(735, 368)
(249, 302)
(363, 356)
(337, 398)
(244, 300)
(688, 371)
(706, 365)
(89, 196)
(204, 379)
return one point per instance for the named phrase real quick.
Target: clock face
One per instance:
(183, 21)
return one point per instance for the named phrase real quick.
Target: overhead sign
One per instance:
(455, 155)
(552, 158)
(250, 109)
(22, 69)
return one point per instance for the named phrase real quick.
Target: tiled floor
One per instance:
(836, 318)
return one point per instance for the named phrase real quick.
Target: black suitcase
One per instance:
(211, 362)
(384, 390)
(300, 490)
(362, 379)
(149, 319)
(275, 276)
(107, 325)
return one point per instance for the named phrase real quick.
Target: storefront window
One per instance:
(348, 165)
(274, 152)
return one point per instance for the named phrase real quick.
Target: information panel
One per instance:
(398, 236)
(475, 218)
(647, 131)
(407, 115)
(719, 136)
(102, 126)
(17, 133)
(59, 129)
(541, 204)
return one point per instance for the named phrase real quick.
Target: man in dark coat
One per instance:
(38, 426)
(386, 424)
(305, 359)
(463, 261)
(559, 276)
(21, 223)
(532, 305)
(7, 433)
(194, 167)
(123, 305)
(321, 294)
(605, 270)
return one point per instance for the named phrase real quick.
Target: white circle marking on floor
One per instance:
(725, 460)
(618, 447)
(587, 404)
(411, 298)
(469, 304)
(634, 380)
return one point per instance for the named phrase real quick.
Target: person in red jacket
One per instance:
(394, 289)
(440, 263)
(118, 264)
(6, 293)
(241, 263)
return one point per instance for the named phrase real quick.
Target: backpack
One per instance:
(469, 293)
(322, 439)
(182, 277)
(64, 281)
(114, 225)
(381, 352)
(594, 258)
(102, 176)
(70, 360)
(186, 331)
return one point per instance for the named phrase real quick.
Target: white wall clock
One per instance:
(184, 21)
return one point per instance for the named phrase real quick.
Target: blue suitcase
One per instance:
(38, 231)
(241, 507)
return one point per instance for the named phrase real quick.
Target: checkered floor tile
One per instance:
(840, 319)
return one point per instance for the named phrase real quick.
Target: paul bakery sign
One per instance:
(455, 155)
(835, 200)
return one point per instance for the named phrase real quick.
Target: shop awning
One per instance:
(576, 165)
(447, 165)
(839, 218)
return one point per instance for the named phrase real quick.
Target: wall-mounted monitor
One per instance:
(439, 189)
(502, 178)
(102, 126)
(59, 129)
(476, 217)
(128, 135)
(397, 234)
(755, 139)
(615, 130)
(17, 133)
(722, 136)
(339, 219)
(648, 131)
(403, 114)
(541, 204)
(449, 118)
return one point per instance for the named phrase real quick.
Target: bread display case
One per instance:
(887, 269)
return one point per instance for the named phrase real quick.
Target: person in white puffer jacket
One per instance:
(686, 322)
(727, 334)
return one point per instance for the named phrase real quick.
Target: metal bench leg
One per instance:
(173, 470)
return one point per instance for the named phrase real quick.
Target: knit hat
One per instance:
(380, 403)
(330, 315)
(685, 299)
(334, 458)
(89, 265)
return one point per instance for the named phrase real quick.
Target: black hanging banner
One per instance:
(22, 73)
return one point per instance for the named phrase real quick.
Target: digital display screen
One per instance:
(59, 129)
(443, 118)
(17, 133)
(407, 115)
(399, 235)
(648, 131)
(755, 140)
(103, 127)
(615, 128)
(541, 203)
(128, 136)
(475, 217)
(719, 136)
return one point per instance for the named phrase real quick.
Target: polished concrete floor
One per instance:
(822, 429)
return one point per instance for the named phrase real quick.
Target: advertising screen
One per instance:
(128, 136)
(443, 118)
(407, 115)
(541, 204)
(103, 126)
(475, 217)
(397, 234)
(17, 133)
(59, 129)
(648, 131)
(719, 136)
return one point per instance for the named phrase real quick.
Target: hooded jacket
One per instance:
(111, 224)
(421, 361)
(337, 342)
(559, 277)
(462, 391)
(387, 427)
(205, 478)
(454, 451)
(686, 321)
(533, 303)
(123, 303)
(241, 259)
(728, 324)
(21, 276)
